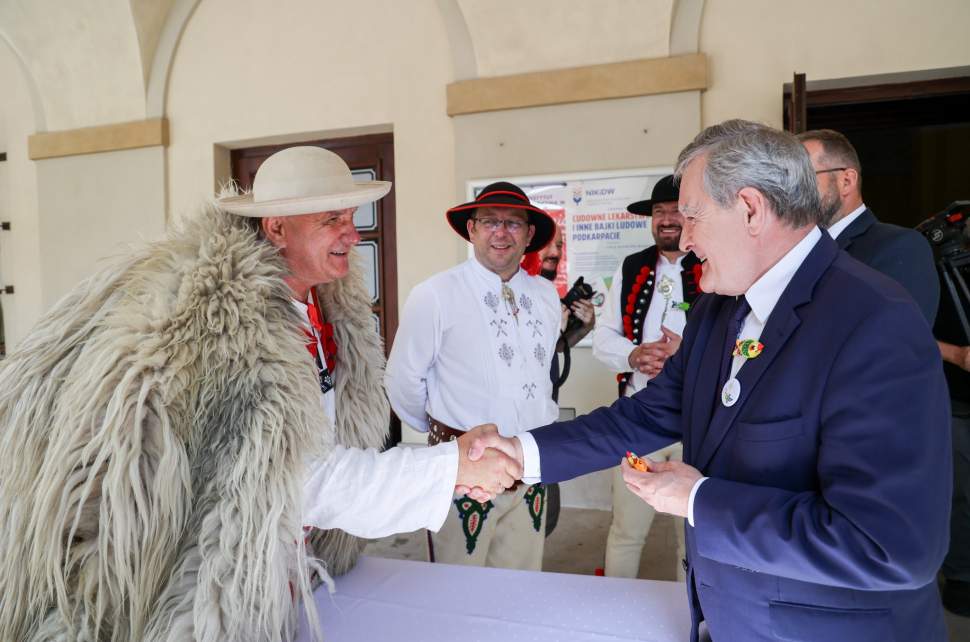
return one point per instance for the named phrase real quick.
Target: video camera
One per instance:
(946, 232)
(579, 291)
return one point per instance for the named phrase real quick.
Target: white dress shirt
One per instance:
(762, 297)
(466, 355)
(839, 226)
(374, 494)
(610, 344)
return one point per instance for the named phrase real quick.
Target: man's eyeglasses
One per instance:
(833, 169)
(513, 225)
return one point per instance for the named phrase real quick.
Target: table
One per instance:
(384, 599)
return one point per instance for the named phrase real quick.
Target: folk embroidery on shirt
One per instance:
(540, 354)
(530, 390)
(525, 303)
(499, 325)
(491, 300)
(506, 354)
(536, 325)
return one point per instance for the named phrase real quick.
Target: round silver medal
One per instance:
(730, 392)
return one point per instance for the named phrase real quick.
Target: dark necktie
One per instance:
(741, 310)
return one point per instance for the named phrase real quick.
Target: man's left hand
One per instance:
(584, 311)
(666, 487)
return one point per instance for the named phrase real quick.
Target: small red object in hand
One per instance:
(636, 463)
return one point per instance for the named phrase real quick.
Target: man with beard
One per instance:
(640, 327)
(899, 253)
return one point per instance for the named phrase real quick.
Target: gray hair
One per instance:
(742, 154)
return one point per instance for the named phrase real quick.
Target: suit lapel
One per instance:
(782, 323)
(706, 362)
(856, 228)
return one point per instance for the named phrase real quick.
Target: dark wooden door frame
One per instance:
(908, 86)
(359, 152)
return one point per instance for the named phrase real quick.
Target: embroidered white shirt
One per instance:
(610, 344)
(466, 353)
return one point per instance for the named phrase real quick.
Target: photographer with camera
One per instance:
(638, 330)
(948, 233)
(578, 316)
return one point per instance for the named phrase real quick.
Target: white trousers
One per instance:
(632, 518)
(509, 533)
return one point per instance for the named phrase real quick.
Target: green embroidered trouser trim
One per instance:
(473, 515)
(535, 499)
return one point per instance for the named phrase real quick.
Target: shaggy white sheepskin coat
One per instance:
(154, 432)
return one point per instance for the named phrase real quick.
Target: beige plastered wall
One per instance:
(754, 46)
(20, 253)
(249, 73)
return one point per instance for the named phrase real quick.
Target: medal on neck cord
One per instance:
(749, 349)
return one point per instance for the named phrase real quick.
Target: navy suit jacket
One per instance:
(825, 515)
(898, 252)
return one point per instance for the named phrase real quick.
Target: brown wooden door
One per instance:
(369, 157)
(911, 131)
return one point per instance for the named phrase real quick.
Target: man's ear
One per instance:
(755, 209)
(274, 230)
(848, 182)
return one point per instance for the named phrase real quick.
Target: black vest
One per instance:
(636, 290)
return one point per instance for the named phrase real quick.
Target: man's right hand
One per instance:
(649, 358)
(487, 463)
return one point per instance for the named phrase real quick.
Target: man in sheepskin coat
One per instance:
(171, 459)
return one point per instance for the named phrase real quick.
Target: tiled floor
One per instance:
(578, 544)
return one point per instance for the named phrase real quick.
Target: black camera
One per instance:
(945, 230)
(579, 291)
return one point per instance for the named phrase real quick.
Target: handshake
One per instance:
(488, 463)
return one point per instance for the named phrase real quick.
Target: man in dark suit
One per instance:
(898, 252)
(809, 396)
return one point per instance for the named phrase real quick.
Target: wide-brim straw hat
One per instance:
(303, 180)
(664, 191)
(503, 194)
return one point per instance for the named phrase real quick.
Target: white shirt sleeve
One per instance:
(372, 494)
(415, 348)
(690, 500)
(610, 345)
(531, 472)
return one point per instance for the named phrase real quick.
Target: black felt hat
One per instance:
(664, 191)
(503, 194)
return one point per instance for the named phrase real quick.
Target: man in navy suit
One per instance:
(809, 396)
(898, 252)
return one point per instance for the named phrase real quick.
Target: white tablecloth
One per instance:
(403, 601)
